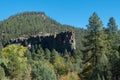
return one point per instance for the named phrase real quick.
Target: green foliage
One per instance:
(115, 64)
(2, 74)
(70, 76)
(54, 56)
(93, 38)
(47, 54)
(60, 66)
(112, 27)
(39, 55)
(41, 71)
(16, 61)
(97, 48)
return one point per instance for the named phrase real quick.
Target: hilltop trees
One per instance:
(32, 23)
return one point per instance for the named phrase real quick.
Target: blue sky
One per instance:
(71, 12)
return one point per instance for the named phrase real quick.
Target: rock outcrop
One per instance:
(60, 42)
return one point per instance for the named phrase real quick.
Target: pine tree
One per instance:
(113, 33)
(39, 55)
(94, 32)
(97, 47)
(54, 55)
(47, 54)
(112, 27)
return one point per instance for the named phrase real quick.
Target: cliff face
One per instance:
(60, 42)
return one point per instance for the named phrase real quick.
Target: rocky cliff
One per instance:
(60, 42)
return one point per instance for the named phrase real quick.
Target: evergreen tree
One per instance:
(54, 55)
(112, 27)
(97, 48)
(42, 71)
(47, 54)
(113, 34)
(39, 55)
(94, 32)
(115, 65)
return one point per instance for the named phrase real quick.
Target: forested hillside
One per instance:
(97, 56)
(30, 23)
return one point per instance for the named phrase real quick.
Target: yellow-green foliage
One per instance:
(87, 66)
(15, 50)
(50, 66)
(16, 61)
(86, 71)
(70, 76)
(60, 66)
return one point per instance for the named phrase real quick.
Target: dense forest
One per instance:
(96, 57)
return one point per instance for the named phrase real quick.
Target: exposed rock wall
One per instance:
(60, 42)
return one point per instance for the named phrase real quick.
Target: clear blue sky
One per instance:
(72, 12)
